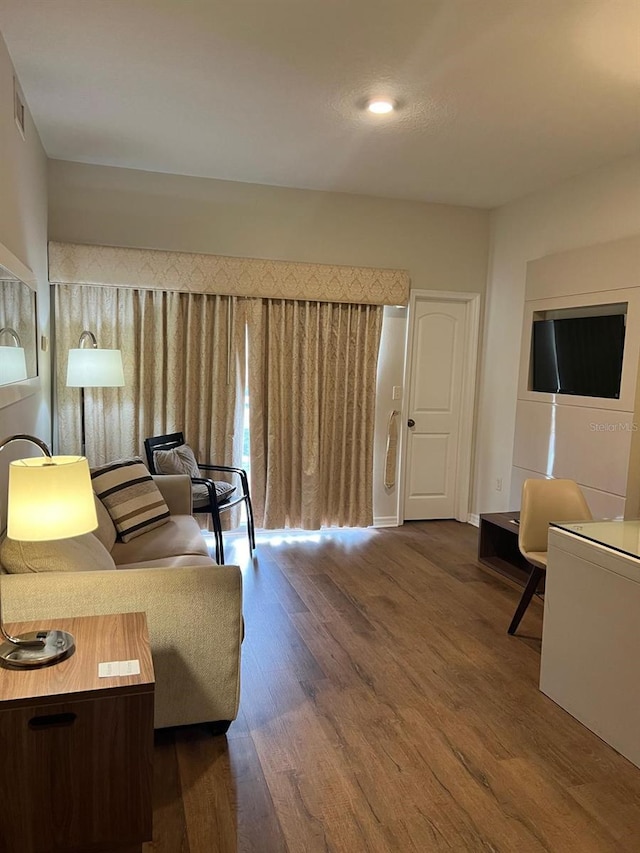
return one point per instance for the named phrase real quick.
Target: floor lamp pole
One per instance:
(82, 425)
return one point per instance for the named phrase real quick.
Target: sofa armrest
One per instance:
(176, 490)
(194, 615)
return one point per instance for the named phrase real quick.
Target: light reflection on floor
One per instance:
(235, 541)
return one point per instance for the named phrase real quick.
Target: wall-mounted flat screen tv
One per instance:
(578, 355)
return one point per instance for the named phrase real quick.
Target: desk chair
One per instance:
(543, 501)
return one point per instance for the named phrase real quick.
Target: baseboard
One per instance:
(392, 521)
(386, 521)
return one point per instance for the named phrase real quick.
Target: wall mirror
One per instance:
(18, 328)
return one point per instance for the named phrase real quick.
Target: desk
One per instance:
(590, 660)
(77, 749)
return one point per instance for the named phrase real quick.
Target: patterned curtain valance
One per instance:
(73, 263)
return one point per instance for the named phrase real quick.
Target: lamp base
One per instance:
(57, 646)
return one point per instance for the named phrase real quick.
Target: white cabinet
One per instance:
(591, 634)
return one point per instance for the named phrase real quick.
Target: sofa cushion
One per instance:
(79, 554)
(182, 460)
(179, 562)
(180, 535)
(106, 531)
(131, 497)
(224, 490)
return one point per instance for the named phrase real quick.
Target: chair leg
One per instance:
(247, 499)
(219, 549)
(217, 532)
(250, 528)
(527, 595)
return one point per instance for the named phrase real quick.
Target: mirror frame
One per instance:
(19, 390)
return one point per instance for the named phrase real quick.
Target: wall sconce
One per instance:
(50, 497)
(13, 364)
(93, 368)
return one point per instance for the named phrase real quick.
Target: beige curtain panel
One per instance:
(177, 373)
(312, 384)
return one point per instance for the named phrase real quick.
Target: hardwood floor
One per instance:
(384, 708)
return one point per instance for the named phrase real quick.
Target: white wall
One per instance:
(594, 208)
(23, 230)
(443, 247)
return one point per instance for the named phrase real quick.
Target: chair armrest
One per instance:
(229, 470)
(194, 615)
(211, 489)
(176, 490)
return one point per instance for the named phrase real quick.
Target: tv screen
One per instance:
(579, 355)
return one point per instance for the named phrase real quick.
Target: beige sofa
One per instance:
(193, 606)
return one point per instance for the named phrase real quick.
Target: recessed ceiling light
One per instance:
(380, 106)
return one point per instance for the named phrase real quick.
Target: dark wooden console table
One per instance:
(498, 546)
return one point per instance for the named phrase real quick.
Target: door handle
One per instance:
(411, 422)
(50, 721)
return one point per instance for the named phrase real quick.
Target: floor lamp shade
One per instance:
(95, 368)
(50, 498)
(13, 365)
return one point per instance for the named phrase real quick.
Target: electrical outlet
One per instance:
(397, 392)
(498, 484)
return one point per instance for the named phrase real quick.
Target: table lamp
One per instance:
(90, 367)
(49, 497)
(13, 364)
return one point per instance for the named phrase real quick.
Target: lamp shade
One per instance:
(95, 368)
(50, 498)
(13, 365)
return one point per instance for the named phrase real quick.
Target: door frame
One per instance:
(464, 449)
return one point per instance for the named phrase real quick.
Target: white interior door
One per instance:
(437, 362)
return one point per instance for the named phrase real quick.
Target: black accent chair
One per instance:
(220, 496)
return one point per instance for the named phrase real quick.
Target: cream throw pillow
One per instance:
(131, 497)
(176, 460)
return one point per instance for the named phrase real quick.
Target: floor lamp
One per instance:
(90, 367)
(49, 497)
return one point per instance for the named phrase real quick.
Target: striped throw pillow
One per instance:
(133, 500)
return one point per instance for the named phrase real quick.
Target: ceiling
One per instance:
(497, 98)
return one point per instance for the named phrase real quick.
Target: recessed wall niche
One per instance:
(593, 440)
(578, 351)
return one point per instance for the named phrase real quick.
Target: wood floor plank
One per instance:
(208, 790)
(228, 806)
(277, 644)
(616, 808)
(258, 827)
(169, 821)
(385, 708)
